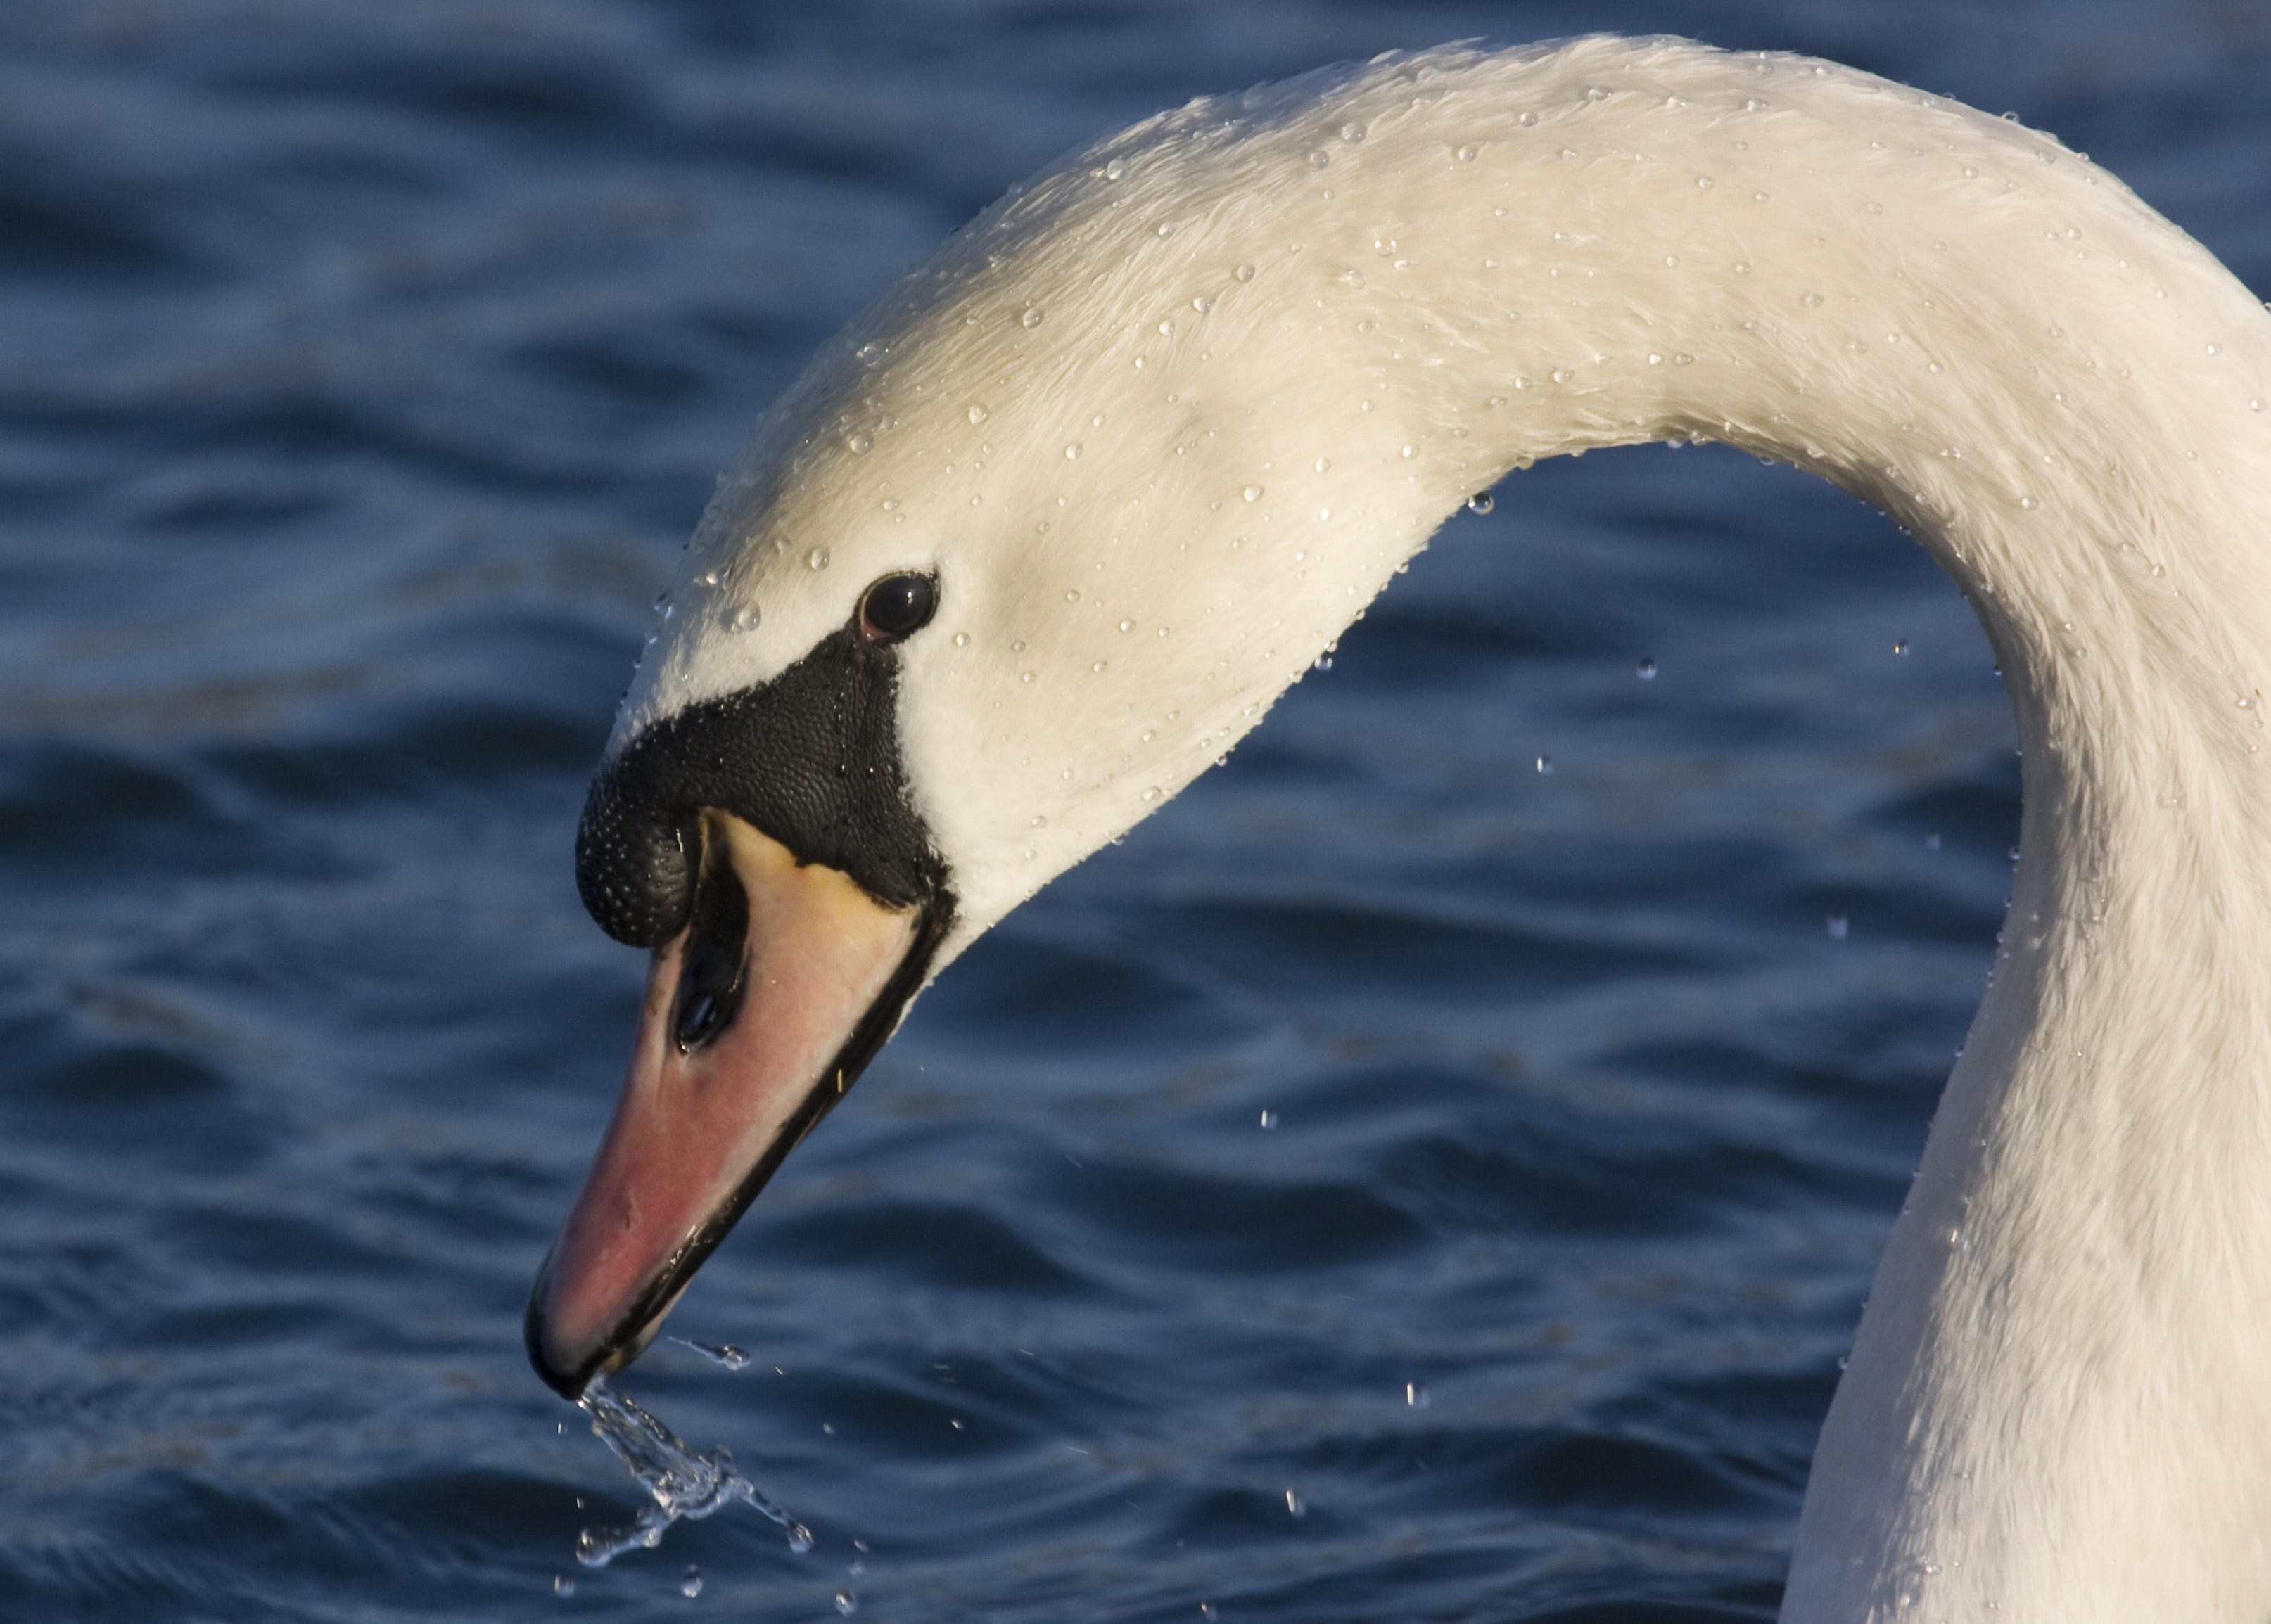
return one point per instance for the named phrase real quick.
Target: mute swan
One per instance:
(1048, 530)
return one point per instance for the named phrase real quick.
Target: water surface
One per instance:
(1396, 1182)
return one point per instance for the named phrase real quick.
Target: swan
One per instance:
(1045, 532)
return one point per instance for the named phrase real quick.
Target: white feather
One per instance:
(1163, 420)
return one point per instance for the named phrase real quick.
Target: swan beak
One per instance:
(757, 1017)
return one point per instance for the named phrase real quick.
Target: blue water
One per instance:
(362, 367)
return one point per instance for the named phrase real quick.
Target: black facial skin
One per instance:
(811, 758)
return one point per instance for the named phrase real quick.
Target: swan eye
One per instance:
(897, 606)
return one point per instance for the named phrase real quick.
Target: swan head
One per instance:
(1026, 549)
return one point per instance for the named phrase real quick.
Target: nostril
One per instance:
(698, 1017)
(715, 964)
(707, 994)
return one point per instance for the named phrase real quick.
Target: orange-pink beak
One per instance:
(757, 1017)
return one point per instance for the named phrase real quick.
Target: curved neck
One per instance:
(1163, 422)
(1466, 263)
(2056, 1402)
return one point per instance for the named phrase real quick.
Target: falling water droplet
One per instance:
(1838, 927)
(1545, 767)
(1415, 1395)
(846, 1603)
(1646, 670)
(724, 1353)
(1269, 1119)
(690, 1586)
(1899, 645)
(680, 1482)
(562, 1585)
(1295, 1504)
(1481, 503)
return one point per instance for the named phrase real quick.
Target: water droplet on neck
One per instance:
(817, 559)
